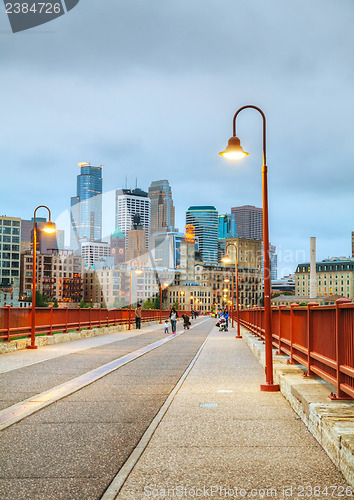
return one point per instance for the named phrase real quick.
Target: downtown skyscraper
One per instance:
(205, 222)
(86, 206)
(249, 222)
(162, 208)
(129, 204)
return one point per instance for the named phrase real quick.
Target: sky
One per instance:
(149, 89)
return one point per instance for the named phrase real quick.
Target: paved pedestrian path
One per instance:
(26, 357)
(222, 437)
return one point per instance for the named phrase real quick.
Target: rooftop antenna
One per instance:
(136, 182)
(126, 181)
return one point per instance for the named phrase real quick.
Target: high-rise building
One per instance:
(45, 242)
(162, 208)
(165, 249)
(92, 252)
(10, 237)
(131, 202)
(86, 206)
(226, 229)
(205, 221)
(226, 226)
(249, 222)
(273, 259)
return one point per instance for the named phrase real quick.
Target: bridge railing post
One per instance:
(309, 324)
(8, 322)
(340, 349)
(281, 307)
(292, 329)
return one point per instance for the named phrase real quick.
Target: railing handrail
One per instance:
(320, 337)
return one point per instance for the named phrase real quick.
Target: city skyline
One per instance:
(166, 111)
(287, 259)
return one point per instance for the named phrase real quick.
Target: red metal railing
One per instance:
(319, 337)
(16, 321)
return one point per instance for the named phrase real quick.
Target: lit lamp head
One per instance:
(49, 228)
(226, 259)
(138, 271)
(165, 285)
(234, 150)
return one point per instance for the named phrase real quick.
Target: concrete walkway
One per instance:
(223, 437)
(27, 357)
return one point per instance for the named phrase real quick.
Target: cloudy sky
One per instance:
(149, 88)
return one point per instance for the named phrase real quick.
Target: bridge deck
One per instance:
(208, 436)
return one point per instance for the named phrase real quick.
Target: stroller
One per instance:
(186, 322)
(222, 324)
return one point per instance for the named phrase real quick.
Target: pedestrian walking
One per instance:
(173, 319)
(138, 317)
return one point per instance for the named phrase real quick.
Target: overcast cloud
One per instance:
(148, 89)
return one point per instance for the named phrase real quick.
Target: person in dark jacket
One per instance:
(173, 319)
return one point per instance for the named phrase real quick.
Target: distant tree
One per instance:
(103, 305)
(149, 304)
(41, 300)
(84, 305)
(55, 303)
(302, 304)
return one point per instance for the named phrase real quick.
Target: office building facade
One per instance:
(129, 203)
(249, 221)
(86, 206)
(334, 277)
(92, 252)
(162, 208)
(10, 246)
(204, 219)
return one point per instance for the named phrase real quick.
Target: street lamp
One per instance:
(227, 259)
(137, 271)
(165, 285)
(180, 293)
(234, 151)
(49, 229)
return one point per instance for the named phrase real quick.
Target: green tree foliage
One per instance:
(41, 300)
(84, 305)
(55, 303)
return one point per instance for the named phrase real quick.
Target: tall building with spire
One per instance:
(162, 208)
(86, 206)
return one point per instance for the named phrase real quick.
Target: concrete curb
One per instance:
(330, 422)
(58, 338)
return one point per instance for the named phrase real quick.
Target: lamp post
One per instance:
(180, 301)
(165, 285)
(137, 271)
(231, 302)
(49, 229)
(226, 259)
(234, 151)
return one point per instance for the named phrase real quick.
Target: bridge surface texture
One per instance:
(219, 436)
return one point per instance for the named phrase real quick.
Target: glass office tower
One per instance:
(86, 206)
(205, 221)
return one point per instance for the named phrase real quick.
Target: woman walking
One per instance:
(173, 318)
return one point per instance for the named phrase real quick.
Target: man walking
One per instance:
(138, 317)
